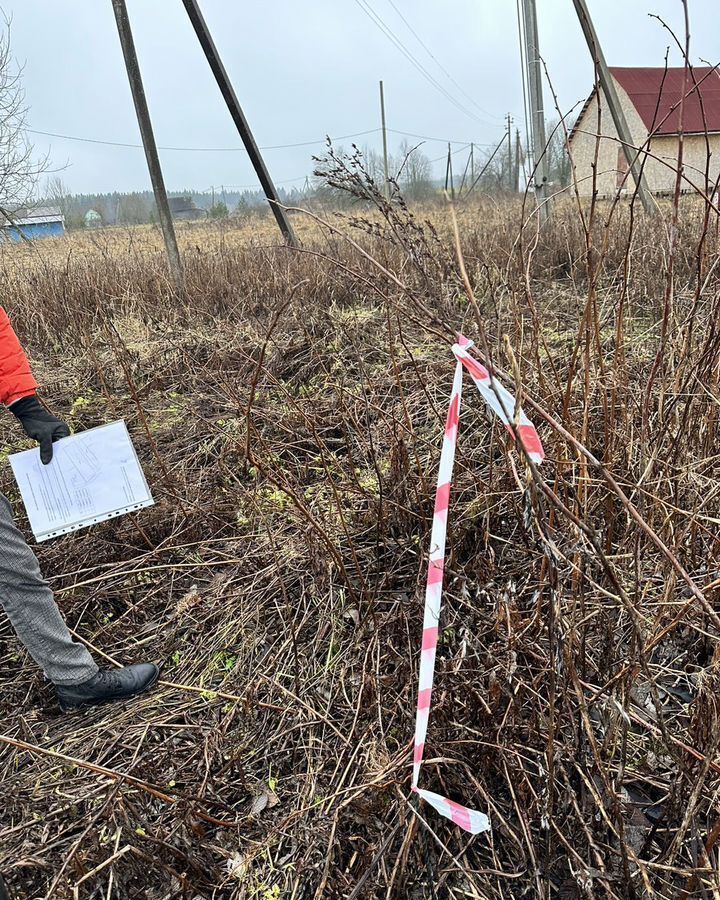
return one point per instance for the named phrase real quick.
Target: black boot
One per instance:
(107, 685)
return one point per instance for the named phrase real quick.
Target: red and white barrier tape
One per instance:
(469, 819)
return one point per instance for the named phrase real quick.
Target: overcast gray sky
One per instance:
(303, 69)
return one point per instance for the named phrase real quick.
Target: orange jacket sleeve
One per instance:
(16, 379)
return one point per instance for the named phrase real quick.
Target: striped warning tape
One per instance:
(502, 403)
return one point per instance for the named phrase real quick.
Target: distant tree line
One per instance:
(138, 207)
(410, 173)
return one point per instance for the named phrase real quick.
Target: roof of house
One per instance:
(644, 86)
(36, 215)
(656, 94)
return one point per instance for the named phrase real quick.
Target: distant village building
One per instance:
(33, 223)
(185, 208)
(93, 219)
(651, 100)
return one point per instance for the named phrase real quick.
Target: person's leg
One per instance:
(31, 608)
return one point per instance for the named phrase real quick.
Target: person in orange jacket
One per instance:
(24, 594)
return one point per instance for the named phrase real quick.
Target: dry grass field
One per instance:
(288, 410)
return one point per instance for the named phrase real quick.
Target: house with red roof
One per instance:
(659, 105)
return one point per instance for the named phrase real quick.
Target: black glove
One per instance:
(40, 425)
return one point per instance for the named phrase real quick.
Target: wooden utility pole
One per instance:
(452, 177)
(148, 139)
(613, 101)
(465, 173)
(537, 141)
(511, 177)
(449, 180)
(518, 160)
(385, 147)
(238, 116)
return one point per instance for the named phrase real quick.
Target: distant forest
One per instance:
(138, 207)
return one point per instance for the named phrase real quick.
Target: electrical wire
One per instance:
(70, 137)
(426, 137)
(440, 65)
(67, 137)
(392, 37)
(452, 153)
(86, 140)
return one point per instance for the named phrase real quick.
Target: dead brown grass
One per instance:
(289, 411)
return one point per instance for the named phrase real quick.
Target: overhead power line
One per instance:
(441, 66)
(453, 153)
(341, 137)
(395, 40)
(427, 137)
(463, 145)
(85, 140)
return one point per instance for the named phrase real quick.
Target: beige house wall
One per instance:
(660, 173)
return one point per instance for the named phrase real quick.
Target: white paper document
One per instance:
(93, 476)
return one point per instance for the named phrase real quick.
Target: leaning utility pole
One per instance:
(449, 179)
(238, 117)
(148, 139)
(613, 101)
(384, 137)
(538, 143)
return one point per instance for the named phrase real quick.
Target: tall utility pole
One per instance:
(537, 141)
(472, 163)
(148, 139)
(238, 117)
(518, 160)
(613, 101)
(452, 177)
(511, 178)
(384, 137)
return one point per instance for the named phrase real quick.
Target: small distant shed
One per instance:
(93, 219)
(33, 223)
(185, 208)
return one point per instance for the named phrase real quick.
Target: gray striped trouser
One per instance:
(31, 608)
